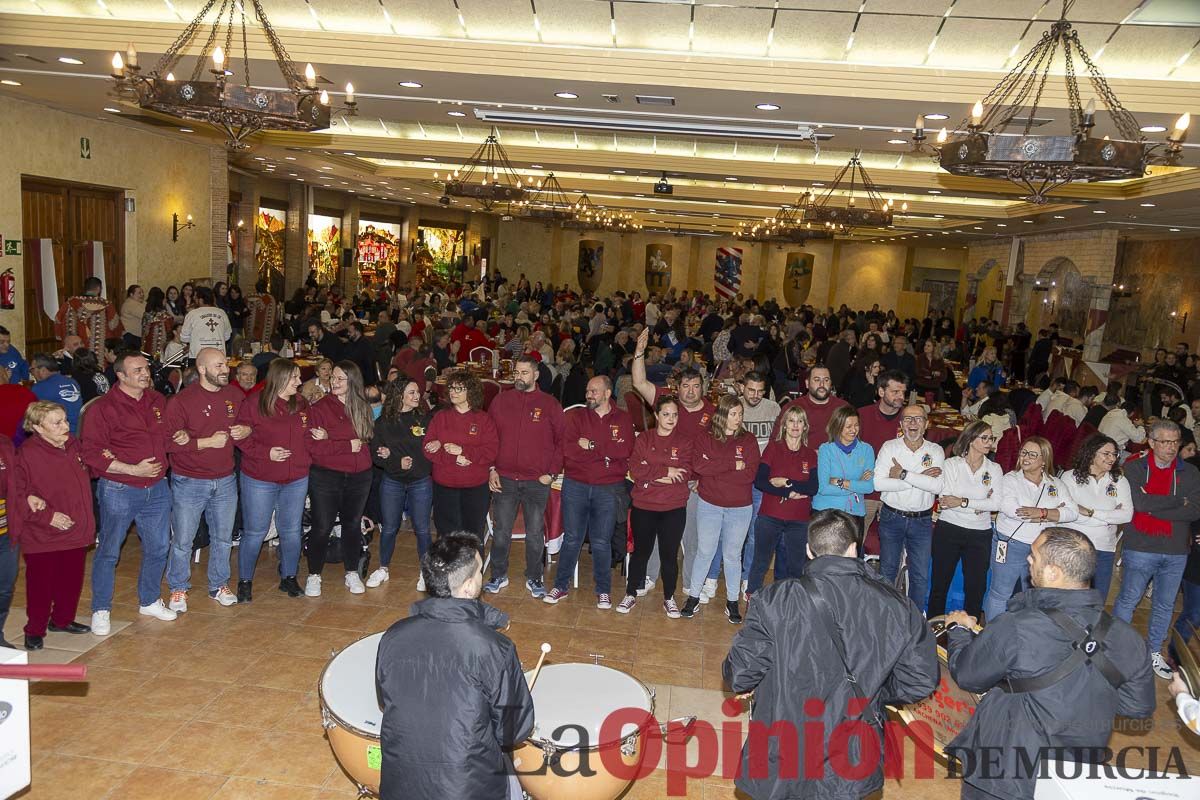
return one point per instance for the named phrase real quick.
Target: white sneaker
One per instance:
(646, 587)
(178, 601)
(158, 611)
(380, 575)
(354, 583)
(709, 590)
(420, 583)
(312, 586)
(1161, 668)
(101, 625)
(224, 597)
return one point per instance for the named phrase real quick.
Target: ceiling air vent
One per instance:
(654, 100)
(612, 98)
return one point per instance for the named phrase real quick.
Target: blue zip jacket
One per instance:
(833, 463)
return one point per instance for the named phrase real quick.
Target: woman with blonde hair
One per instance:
(787, 477)
(726, 460)
(52, 521)
(1031, 500)
(320, 384)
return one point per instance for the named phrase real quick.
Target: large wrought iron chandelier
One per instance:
(853, 180)
(547, 202)
(589, 216)
(487, 177)
(786, 227)
(998, 142)
(238, 110)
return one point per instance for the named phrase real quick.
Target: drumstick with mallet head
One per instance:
(538, 668)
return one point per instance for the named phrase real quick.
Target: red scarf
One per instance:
(1159, 480)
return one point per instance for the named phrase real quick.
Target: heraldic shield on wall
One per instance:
(727, 273)
(797, 278)
(658, 267)
(591, 264)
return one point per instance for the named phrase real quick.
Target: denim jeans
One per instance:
(783, 538)
(1008, 578)
(1102, 580)
(1189, 617)
(748, 550)
(725, 528)
(898, 535)
(396, 498)
(261, 499)
(690, 539)
(588, 511)
(216, 499)
(532, 497)
(120, 507)
(1138, 569)
(8, 576)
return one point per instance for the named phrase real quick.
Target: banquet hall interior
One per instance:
(891, 154)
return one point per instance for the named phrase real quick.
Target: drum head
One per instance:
(348, 686)
(583, 695)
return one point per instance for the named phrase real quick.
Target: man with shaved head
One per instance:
(203, 481)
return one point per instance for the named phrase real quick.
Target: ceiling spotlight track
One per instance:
(782, 131)
(238, 110)
(1041, 163)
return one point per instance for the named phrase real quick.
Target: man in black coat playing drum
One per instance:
(1056, 669)
(453, 693)
(824, 653)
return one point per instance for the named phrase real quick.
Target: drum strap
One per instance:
(825, 618)
(1087, 647)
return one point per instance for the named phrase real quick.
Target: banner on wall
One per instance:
(44, 256)
(591, 264)
(727, 274)
(658, 267)
(797, 278)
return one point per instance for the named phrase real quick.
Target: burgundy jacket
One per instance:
(202, 413)
(612, 436)
(281, 429)
(721, 483)
(334, 452)
(530, 426)
(652, 456)
(118, 428)
(60, 477)
(475, 432)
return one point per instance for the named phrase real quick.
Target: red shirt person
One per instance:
(466, 337)
(461, 444)
(125, 436)
(530, 427)
(52, 520)
(203, 481)
(881, 422)
(818, 403)
(598, 443)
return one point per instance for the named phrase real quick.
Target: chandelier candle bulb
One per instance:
(324, 97)
(118, 66)
(218, 58)
(349, 94)
(131, 56)
(310, 76)
(920, 124)
(1181, 128)
(977, 114)
(942, 135)
(171, 77)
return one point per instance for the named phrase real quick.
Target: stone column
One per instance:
(218, 174)
(406, 275)
(348, 278)
(295, 264)
(247, 267)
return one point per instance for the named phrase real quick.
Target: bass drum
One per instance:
(351, 714)
(571, 703)
(948, 710)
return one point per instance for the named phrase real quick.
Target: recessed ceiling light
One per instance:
(351, 191)
(113, 110)
(936, 116)
(976, 227)
(1174, 230)
(817, 183)
(897, 141)
(730, 178)
(566, 95)
(428, 158)
(1059, 216)
(1001, 225)
(186, 130)
(618, 171)
(767, 107)
(289, 158)
(1027, 221)
(1146, 205)
(456, 114)
(69, 60)
(326, 168)
(293, 174)
(410, 84)
(1099, 211)
(259, 158)
(7, 82)
(939, 216)
(934, 191)
(348, 153)
(1153, 128)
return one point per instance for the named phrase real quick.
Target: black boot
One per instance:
(731, 611)
(244, 591)
(690, 607)
(290, 586)
(33, 642)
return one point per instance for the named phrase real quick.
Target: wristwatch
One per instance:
(903, 474)
(591, 445)
(962, 503)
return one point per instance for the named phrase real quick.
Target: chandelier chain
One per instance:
(198, 70)
(1126, 124)
(171, 57)
(245, 50)
(286, 65)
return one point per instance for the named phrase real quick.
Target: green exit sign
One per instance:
(12, 247)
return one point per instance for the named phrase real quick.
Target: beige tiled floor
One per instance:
(222, 703)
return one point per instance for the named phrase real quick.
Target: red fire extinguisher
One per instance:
(8, 290)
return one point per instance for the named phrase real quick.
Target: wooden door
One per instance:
(72, 217)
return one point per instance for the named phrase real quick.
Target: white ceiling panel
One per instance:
(574, 22)
(362, 16)
(801, 34)
(893, 40)
(976, 43)
(937, 7)
(425, 17)
(1146, 51)
(1016, 9)
(650, 27)
(732, 30)
(504, 20)
(1099, 10)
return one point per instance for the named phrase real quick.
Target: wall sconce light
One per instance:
(241, 223)
(177, 226)
(130, 205)
(1120, 291)
(1181, 320)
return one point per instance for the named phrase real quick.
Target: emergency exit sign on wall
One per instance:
(85, 148)
(12, 247)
